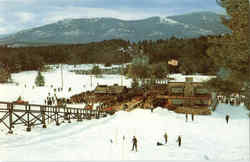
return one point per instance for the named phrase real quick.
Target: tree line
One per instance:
(190, 53)
(230, 53)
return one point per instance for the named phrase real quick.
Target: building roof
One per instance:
(110, 89)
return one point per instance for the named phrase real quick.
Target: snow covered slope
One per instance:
(78, 84)
(206, 138)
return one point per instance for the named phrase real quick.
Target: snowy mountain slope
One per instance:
(98, 29)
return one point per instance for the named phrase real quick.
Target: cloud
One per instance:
(81, 12)
(3, 30)
(2, 20)
(25, 17)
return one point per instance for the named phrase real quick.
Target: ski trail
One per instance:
(46, 136)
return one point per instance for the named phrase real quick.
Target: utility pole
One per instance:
(91, 79)
(121, 75)
(62, 76)
(122, 70)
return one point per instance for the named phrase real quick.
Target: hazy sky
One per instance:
(16, 15)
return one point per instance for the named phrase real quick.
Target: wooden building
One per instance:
(188, 93)
(111, 90)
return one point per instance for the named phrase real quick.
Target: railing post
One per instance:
(28, 129)
(69, 113)
(65, 114)
(78, 115)
(57, 120)
(81, 114)
(97, 114)
(89, 114)
(43, 116)
(10, 109)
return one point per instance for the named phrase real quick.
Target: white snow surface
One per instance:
(166, 20)
(78, 84)
(196, 78)
(206, 138)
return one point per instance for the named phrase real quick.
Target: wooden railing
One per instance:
(12, 114)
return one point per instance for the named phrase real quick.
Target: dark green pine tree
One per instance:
(96, 71)
(231, 52)
(39, 80)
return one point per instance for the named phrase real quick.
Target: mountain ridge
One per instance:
(85, 30)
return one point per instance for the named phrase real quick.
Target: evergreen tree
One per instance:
(231, 51)
(159, 71)
(4, 74)
(96, 71)
(39, 80)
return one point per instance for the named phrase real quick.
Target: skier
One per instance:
(179, 141)
(186, 117)
(134, 140)
(192, 116)
(53, 100)
(166, 138)
(227, 118)
(159, 144)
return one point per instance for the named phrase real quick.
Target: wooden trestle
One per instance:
(29, 115)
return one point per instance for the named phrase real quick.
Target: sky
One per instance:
(17, 15)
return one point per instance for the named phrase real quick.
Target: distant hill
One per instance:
(4, 35)
(70, 31)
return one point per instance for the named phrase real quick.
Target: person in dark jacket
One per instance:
(192, 116)
(159, 144)
(134, 140)
(166, 138)
(186, 117)
(179, 141)
(227, 118)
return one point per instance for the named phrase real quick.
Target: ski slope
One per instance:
(205, 138)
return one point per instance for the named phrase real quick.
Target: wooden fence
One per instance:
(29, 115)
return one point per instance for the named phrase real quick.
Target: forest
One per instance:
(190, 53)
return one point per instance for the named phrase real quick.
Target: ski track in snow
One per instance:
(66, 131)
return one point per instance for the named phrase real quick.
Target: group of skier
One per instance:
(135, 146)
(50, 100)
(166, 140)
(192, 116)
(234, 99)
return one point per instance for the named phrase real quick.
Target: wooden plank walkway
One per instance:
(12, 114)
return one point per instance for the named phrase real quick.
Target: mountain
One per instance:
(4, 35)
(98, 29)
